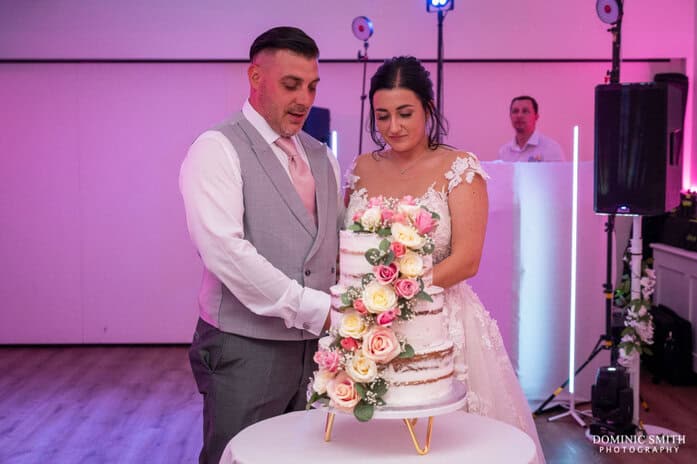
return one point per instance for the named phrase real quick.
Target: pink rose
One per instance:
(385, 319)
(400, 218)
(386, 215)
(327, 360)
(359, 306)
(376, 201)
(386, 274)
(349, 344)
(407, 288)
(357, 215)
(408, 200)
(424, 222)
(342, 392)
(381, 345)
(398, 249)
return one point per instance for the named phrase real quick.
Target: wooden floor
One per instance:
(139, 404)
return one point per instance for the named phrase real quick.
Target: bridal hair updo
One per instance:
(407, 72)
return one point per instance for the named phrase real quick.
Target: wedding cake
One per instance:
(388, 345)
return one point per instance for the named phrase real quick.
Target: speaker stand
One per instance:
(637, 253)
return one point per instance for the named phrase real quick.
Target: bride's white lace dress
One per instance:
(481, 359)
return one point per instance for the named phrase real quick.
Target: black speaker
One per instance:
(317, 124)
(638, 147)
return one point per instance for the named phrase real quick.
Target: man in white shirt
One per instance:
(528, 144)
(262, 207)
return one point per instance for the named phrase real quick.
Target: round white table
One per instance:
(298, 437)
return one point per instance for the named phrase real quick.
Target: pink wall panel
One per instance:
(140, 271)
(40, 210)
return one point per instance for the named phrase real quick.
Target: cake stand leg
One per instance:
(410, 425)
(328, 427)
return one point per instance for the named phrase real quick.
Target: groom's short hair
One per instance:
(285, 38)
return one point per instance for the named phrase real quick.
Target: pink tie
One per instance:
(300, 174)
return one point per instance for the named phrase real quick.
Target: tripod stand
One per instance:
(362, 29)
(605, 341)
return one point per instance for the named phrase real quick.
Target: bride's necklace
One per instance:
(413, 164)
(403, 171)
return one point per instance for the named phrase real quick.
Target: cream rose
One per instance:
(342, 392)
(379, 298)
(411, 264)
(352, 325)
(381, 345)
(321, 379)
(412, 211)
(372, 218)
(362, 369)
(407, 236)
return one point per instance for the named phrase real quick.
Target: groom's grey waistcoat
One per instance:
(279, 227)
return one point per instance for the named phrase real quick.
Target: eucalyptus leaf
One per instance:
(323, 398)
(355, 227)
(385, 244)
(345, 299)
(373, 256)
(363, 411)
(360, 389)
(424, 296)
(385, 232)
(408, 352)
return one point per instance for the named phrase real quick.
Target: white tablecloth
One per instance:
(298, 437)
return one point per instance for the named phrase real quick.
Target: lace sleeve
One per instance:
(350, 178)
(464, 165)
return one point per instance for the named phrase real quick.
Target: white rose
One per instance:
(411, 264)
(322, 377)
(379, 298)
(407, 236)
(412, 211)
(352, 325)
(372, 218)
(362, 369)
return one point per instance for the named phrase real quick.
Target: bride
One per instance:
(410, 161)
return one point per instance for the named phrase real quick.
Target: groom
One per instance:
(261, 200)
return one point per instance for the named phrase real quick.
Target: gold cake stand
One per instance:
(409, 415)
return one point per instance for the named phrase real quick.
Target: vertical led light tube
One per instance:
(574, 236)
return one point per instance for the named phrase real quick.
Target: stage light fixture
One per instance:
(612, 404)
(362, 28)
(609, 11)
(439, 5)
